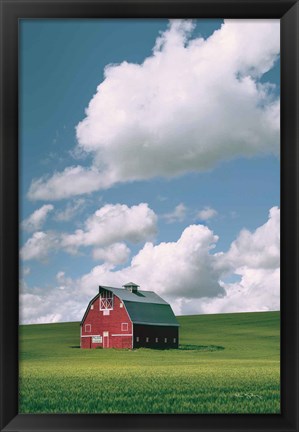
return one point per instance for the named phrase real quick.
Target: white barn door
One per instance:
(105, 339)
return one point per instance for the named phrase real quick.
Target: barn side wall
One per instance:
(159, 337)
(96, 324)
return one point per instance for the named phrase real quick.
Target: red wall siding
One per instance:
(111, 323)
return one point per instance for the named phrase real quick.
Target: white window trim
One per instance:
(124, 326)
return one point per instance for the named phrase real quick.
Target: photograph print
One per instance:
(149, 154)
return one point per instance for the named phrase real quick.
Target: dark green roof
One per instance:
(131, 284)
(151, 313)
(139, 296)
(145, 307)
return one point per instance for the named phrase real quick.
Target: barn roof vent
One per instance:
(131, 286)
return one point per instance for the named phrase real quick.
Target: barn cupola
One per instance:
(131, 286)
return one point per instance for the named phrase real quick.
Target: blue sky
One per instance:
(182, 136)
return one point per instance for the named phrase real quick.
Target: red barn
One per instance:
(128, 318)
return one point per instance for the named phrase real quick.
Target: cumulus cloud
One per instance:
(190, 105)
(75, 180)
(112, 224)
(185, 272)
(206, 213)
(178, 215)
(50, 307)
(257, 250)
(107, 228)
(39, 245)
(61, 303)
(117, 253)
(185, 267)
(36, 220)
(255, 258)
(70, 210)
(258, 290)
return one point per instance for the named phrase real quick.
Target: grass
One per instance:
(226, 363)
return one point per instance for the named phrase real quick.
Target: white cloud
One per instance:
(51, 306)
(39, 245)
(107, 227)
(258, 290)
(36, 220)
(260, 249)
(178, 215)
(185, 272)
(185, 267)
(75, 180)
(114, 223)
(60, 276)
(206, 213)
(255, 257)
(190, 105)
(70, 210)
(117, 253)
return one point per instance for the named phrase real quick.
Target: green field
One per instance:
(228, 363)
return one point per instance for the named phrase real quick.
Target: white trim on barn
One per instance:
(130, 321)
(90, 335)
(129, 334)
(106, 339)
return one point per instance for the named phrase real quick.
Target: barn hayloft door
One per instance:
(105, 339)
(106, 300)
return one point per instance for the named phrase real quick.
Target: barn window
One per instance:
(165, 340)
(106, 300)
(121, 304)
(174, 340)
(88, 328)
(157, 339)
(137, 338)
(146, 339)
(124, 326)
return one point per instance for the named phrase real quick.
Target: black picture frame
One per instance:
(285, 10)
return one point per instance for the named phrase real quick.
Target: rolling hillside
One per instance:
(226, 363)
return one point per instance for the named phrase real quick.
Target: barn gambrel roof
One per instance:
(138, 297)
(143, 307)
